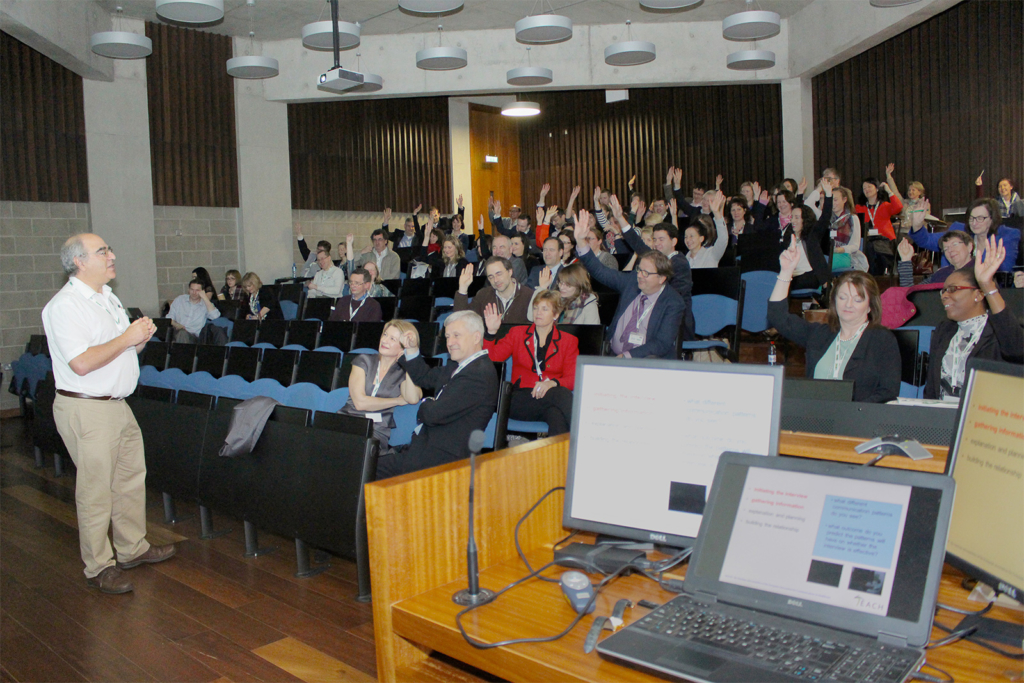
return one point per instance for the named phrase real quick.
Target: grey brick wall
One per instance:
(31, 235)
(334, 226)
(188, 237)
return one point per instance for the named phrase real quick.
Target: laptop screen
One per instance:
(846, 546)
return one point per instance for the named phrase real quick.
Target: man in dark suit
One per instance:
(666, 237)
(411, 236)
(650, 311)
(465, 397)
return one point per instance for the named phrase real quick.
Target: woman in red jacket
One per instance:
(876, 206)
(543, 363)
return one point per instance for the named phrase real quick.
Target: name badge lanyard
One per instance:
(642, 317)
(505, 307)
(536, 360)
(871, 211)
(840, 356)
(352, 313)
(376, 382)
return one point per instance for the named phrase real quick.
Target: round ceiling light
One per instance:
(669, 4)
(121, 45)
(371, 83)
(253, 67)
(629, 53)
(892, 3)
(752, 25)
(442, 58)
(529, 75)
(544, 29)
(430, 6)
(318, 35)
(520, 109)
(190, 11)
(749, 60)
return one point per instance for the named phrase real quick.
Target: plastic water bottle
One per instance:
(294, 271)
(772, 358)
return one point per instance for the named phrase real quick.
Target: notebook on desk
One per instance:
(802, 570)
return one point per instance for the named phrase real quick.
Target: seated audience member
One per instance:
(543, 363)
(778, 220)
(812, 269)
(853, 344)
(844, 228)
(957, 248)
(377, 289)
(202, 276)
(595, 240)
(309, 266)
(464, 238)
(504, 226)
(502, 247)
(342, 260)
(706, 240)
(465, 397)
(388, 263)
(378, 384)
(410, 237)
(261, 300)
(1010, 204)
(552, 253)
(520, 250)
(330, 279)
(980, 325)
(877, 206)
(435, 238)
(450, 261)
(740, 219)
(511, 298)
(647, 320)
(579, 303)
(520, 226)
(358, 306)
(568, 240)
(189, 313)
(984, 220)
(232, 289)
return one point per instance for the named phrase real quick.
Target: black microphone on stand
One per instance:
(474, 594)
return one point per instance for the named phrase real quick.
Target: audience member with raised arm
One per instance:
(852, 344)
(983, 222)
(190, 312)
(329, 282)
(309, 266)
(957, 249)
(980, 325)
(358, 306)
(649, 314)
(1010, 204)
(465, 397)
(552, 254)
(503, 290)
(378, 384)
(261, 301)
(388, 263)
(876, 207)
(543, 363)
(701, 251)
(411, 236)
(812, 269)
(504, 226)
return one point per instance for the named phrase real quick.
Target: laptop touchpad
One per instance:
(689, 660)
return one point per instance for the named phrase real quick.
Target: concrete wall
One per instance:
(31, 235)
(188, 237)
(334, 226)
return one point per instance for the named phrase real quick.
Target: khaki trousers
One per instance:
(105, 444)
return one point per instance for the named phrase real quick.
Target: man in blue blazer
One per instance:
(650, 311)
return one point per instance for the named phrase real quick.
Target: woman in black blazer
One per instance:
(810, 231)
(450, 261)
(261, 301)
(980, 324)
(853, 344)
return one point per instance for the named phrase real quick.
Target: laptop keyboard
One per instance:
(780, 650)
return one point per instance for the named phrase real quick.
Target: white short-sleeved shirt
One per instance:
(78, 318)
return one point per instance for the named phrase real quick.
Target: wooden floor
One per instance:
(209, 614)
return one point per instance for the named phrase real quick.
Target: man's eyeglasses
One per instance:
(646, 273)
(950, 289)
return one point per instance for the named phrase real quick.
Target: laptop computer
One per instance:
(802, 570)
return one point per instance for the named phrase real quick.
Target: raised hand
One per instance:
(458, 201)
(677, 178)
(789, 258)
(825, 187)
(755, 191)
(575, 193)
(905, 249)
(980, 179)
(597, 197)
(717, 204)
(634, 204)
(718, 181)
(416, 211)
(582, 230)
(801, 186)
(387, 217)
(987, 263)
(410, 340)
(631, 181)
(763, 197)
(671, 172)
(497, 208)
(466, 279)
(918, 215)
(889, 168)
(641, 211)
(297, 227)
(492, 319)
(545, 277)
(544, 189)
(673, 211)
(350, 238)
(616, 207)
(550, 212)
(480, 225)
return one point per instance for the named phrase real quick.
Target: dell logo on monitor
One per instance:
(795, 603)
(660, 538)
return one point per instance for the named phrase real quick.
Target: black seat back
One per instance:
(724, 281)
(416, 287)
(195, 399)
(296, 416)
(319, 368)
(155, 393)
(344, 424)
(388, 305)
(590, 337)
(367, 335)
(318, 308)
(211, 359)
(337, 333)
(163, 327)
(273, 332)
(183, 357)
(446, 286)
(429, 334)
(245, 331)
(414, 308)
(303, 333)
(279, 364)
(155, 354)
(244, 362)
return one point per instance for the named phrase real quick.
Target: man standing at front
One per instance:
(95, 365)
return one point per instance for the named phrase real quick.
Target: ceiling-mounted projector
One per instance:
(339, 80)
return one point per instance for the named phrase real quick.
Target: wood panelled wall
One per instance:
(191, 118)
(366, 155)
(943, 101)
(490, 133)
(42, 128)
(735, 130)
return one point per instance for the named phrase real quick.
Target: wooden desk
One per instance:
(417, 535)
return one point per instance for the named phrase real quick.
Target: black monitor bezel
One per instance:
(648, 535)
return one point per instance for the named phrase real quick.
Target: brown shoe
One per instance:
(111, 580)
(156, 553)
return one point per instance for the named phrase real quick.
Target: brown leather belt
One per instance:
(75, 394)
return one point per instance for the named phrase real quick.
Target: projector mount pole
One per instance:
(334, 34)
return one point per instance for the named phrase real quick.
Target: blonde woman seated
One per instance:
(579, 303)
(378, 384)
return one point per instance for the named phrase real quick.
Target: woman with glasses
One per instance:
(983, 223)
(378, 384)
(980, 325)
(957, 249)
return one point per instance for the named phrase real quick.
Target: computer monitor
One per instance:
(986, 534)
(646, 437)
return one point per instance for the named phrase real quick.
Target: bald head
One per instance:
(502, 246)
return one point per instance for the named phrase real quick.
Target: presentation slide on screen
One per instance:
(648, 442)
(831, 540)
(987, 528)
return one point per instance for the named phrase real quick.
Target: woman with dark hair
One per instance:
(983, 222)
(705, 239)
(876, 207)
(980, 325)
(852, 344)
(232, 289)
(1010, 203)
(435, 238)
(784, 201)
(740, 218)
(261, 301)
(203, 277)
(812, 269)
(568, 240)
(450, 261)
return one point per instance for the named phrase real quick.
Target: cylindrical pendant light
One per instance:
(529, 75)
(253, 67)
(544, 29)
(751, 25)
(750, 60)
(520, 109)
(318, 36)
(190, 11)
(121, 45)
(430, 6)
